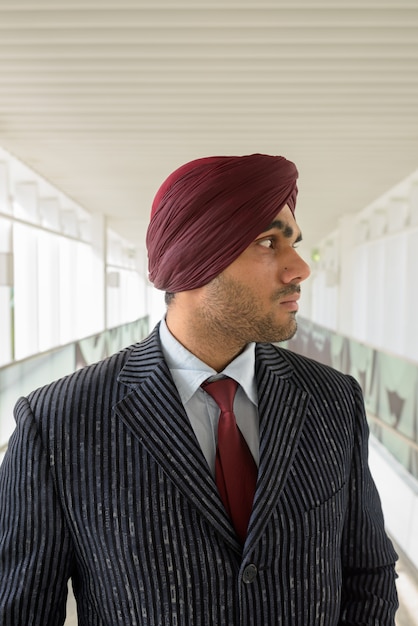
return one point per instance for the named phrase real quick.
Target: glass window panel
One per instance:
(49, 209)
(66, 290)
(25, 246)
(26, 201)
(410, 317)
(5, 206)
(126, 296)
(359, 258)
(6, 291)
(6, 325)
(373, 301)
(48, 289)
(89, 291)
(394, 292)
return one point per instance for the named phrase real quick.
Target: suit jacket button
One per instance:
(249, 574)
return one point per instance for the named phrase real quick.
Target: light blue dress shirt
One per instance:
(189, 373)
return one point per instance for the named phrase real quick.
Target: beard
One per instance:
(232, 313)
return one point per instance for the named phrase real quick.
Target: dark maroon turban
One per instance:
(209, 210)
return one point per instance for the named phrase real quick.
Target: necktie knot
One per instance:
(223, 392)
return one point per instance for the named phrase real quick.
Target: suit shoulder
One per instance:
(326, 386)
(310, 369)
(95, 375)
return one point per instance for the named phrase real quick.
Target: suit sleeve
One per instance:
(35, 553)
(369, 593)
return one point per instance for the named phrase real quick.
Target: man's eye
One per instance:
(267, 243)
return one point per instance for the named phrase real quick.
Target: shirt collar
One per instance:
(189, 372)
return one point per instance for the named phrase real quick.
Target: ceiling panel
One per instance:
(105, 98)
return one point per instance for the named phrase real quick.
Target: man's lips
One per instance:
(290, 302)
(288, 298)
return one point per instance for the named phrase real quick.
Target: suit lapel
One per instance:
(154, 413)
(282, 409)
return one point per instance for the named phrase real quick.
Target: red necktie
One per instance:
(235, 468)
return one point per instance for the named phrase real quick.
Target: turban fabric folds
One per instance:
(209, 210)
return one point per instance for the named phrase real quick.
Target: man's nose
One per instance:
(296, 269)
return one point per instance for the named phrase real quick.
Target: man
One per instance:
(119, 476)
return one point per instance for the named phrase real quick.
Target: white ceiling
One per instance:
(105, 98)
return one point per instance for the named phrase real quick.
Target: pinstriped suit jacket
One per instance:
(104, 482)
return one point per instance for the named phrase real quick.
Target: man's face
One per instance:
(255, 298)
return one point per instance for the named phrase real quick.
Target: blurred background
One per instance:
(100, 100)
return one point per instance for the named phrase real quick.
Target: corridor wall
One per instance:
(63, 274)
(364, 274)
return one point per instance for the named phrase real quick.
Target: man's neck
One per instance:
(216, 351)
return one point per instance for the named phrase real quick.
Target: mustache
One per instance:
(287, 291)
